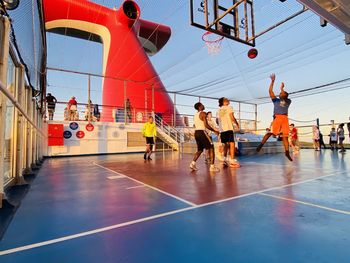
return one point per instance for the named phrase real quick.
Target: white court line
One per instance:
(308, 204)
(154, 188)
(115, 177)
(99, 230)
(133, 187)
(285, 165)
(87, 233)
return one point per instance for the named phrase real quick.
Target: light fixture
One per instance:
(11, 4)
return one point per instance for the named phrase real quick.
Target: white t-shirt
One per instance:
(223, 115)
(198, 123)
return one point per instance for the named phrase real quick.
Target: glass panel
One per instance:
(8, 151)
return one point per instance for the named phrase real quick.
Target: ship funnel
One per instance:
(128, 13)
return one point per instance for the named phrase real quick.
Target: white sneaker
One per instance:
(193, 167)
(234, 164)
(214, 168)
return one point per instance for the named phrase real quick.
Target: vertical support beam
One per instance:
(146, 104)
(20, 149)
(206, 12)
(256, 117)
(4, 53)
(153, 101)
(246, 24)
(89, 98)
(124, 101)
(239, 115)
(174, 118)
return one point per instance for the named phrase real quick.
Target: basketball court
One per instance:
(125, 209)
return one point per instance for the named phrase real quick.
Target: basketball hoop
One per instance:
(213, 42)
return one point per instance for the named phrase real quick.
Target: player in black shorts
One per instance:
(203, 140)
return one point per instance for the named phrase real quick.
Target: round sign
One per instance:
(74, 125)
(67, 134)
(89, 127)
(139, 116)
(80, 134)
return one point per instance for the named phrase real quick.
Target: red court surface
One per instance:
(169, 172)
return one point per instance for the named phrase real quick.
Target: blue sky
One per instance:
(300, 52)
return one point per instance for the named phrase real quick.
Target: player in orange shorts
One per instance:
(280, 124)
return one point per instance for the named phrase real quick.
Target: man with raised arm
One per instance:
(280, 123)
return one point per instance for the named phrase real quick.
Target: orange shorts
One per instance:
(280, 125)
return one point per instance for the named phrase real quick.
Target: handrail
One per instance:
(4, 90)
(168, 129)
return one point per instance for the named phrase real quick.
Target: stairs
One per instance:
(168, 134)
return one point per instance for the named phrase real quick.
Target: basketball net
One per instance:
(213, 42)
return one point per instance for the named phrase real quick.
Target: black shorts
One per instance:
(203, 140)
(51, 106)
(149, 140)
(227, 136)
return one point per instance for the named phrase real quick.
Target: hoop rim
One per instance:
(211, 41)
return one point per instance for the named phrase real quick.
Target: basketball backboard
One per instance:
(232, 19)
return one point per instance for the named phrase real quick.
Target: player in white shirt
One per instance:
(226, 118)
(202, 138)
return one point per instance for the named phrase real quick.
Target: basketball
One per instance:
(252, 53)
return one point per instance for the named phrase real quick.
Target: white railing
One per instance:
(171, 136)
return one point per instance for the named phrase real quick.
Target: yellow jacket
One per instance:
(149, 130)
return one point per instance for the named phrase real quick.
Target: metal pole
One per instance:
(124, 101)
(146, 104)
(246, 22)
(4, 52)
(256, 117)
(206, 12)
(153, 100)
(174, 119)
(89, 98)
(239, 115)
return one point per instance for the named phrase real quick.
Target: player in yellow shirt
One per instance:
(149, 131)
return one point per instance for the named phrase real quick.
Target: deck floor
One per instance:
(120, 208)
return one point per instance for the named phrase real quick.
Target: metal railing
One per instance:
(173, 133)
(4, 90)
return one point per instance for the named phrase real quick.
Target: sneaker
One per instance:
(259, 147)
(225, 163)
(288, 156)
(235, 165)
(145, 156)
(214, 168)
(193, 167)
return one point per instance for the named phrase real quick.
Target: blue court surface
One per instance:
(120, 208)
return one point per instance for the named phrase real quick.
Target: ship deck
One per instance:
(120, 208)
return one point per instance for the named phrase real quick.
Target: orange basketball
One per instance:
(252, 53)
